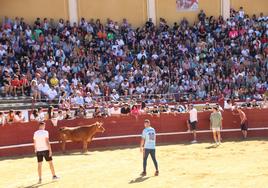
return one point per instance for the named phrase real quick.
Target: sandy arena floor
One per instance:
(231, 165)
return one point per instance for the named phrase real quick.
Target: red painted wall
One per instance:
(129, 125)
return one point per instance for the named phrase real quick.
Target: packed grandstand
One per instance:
(94, 64)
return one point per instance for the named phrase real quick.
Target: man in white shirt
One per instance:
(43, 88)
(192, 122)
(42, 149)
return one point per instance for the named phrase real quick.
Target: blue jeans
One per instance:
(146, 154)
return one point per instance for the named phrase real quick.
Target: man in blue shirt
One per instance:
(148, 146)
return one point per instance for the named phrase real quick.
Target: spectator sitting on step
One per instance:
(16, 85)
(2, 119)
(79, 100)
(25, 85)
(7, 85)
(54, 81)
(52, 94)
(43, 88)
(88, 100)
(19, 117)
(35, 90)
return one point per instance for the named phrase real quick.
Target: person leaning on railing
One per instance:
(2, 119)
(34, 115)
(80, 112)
(125, 110)
(135, 110)
(97, 112)
(10, 116)
(264, 104)
(19, 117)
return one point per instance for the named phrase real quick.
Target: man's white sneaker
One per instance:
(194, 141)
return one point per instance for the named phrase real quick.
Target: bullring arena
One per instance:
(114, 159)
(119, 80)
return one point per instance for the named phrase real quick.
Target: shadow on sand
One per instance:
(139, 180)
(212, 146)
(36, 185)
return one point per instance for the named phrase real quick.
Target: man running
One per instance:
(243, 122)
(42, 149)
(192, 122)
(216, 125)
(148, 146)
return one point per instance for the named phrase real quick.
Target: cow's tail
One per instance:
(61, 129)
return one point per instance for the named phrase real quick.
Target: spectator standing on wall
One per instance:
(192, 122)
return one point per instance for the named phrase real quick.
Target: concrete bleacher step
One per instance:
(22, 106)
(8, 100)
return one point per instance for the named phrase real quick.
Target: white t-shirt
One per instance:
(227, 106)
(193, 115)
(40, 140)
(113, 111)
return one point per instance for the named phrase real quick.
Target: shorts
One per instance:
(244, 126)
(43, 154)
(193, 125)
(216, 129)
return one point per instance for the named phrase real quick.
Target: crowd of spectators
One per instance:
(119, 110)
(82, 63)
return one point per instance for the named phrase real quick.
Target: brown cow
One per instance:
(80, 133)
